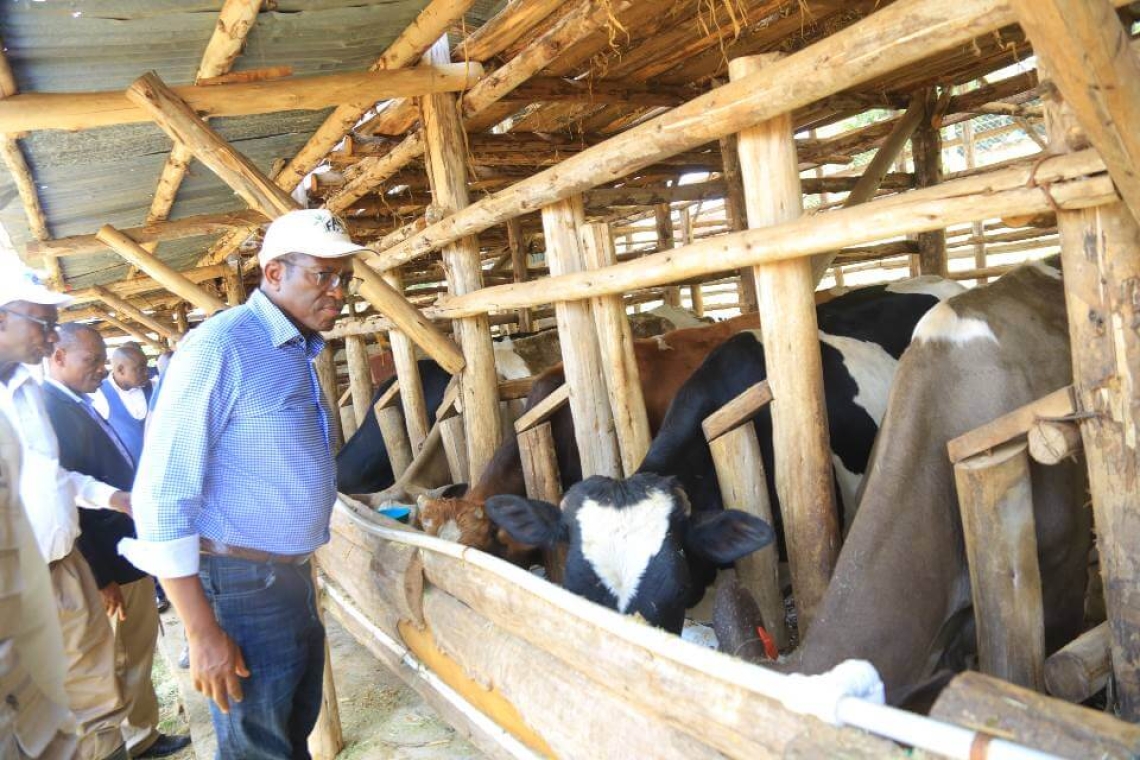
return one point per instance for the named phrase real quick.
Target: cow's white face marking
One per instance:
(508, 364)
(619, 543)
(929, 284)
(871, 367)
(942, 323)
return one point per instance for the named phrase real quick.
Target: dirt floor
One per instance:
(380, 716)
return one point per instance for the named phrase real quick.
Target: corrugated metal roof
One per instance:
(108, 175)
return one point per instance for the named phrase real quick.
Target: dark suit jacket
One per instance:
(85, 447)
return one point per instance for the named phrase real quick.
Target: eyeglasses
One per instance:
(329, 280)
(49, 325)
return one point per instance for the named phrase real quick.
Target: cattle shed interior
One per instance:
(516, 166)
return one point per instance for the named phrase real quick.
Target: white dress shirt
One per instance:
(134, 400)
(49, 492)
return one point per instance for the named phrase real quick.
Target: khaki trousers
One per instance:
(135, 639)
(93, 690)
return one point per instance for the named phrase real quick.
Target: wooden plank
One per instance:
(543, 410)
(887, 40)
(447, 173)
(1082, 667)
(737, 411)
(619, 364)
(964, 200)
(804, 479)
(1059, 403)
(1093, 65)
(361, 89)
(150, 233)
(996, 501)
(997, 708)
(162, 272)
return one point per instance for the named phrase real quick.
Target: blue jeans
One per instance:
(269, 610)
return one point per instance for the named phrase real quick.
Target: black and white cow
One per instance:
(862, 334)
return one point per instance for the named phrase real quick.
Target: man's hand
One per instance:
(216, 666)
(113, 601)
(121, 502)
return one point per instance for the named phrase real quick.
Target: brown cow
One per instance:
(900, 595)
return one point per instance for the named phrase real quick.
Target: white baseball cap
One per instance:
(315, 232)
(19, 283)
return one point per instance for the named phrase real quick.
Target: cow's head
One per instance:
(633, 545)
(453, 514)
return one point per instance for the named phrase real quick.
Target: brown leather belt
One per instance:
(212, 548)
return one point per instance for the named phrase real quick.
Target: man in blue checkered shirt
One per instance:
(236, 485)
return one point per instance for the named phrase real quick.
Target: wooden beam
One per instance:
(433, 21)
(87, 110)
(1098, 74)
(138, 285)
(619, 364)
(585, 19)
(1081, 668)
(889, 39)
(737, 411)
(447, 171)
(129, 329)
(125, 309)
(926, 144)
(803, 469)
(543, 410)
(162, 272)
(1009, 426)
(152, 232)
(979, 197)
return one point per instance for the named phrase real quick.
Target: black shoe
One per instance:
(162, 603)
(166, 744)
(184, 658)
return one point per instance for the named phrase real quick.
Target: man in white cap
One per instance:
(28, 314)
(236, 485)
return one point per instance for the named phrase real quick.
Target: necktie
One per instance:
(110, 431)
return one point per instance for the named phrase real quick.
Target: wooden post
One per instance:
(447, 172)
(181, 321)
(455, 448)
(415, 416)
(326, 375)
(619, 364)
(159, 270)
(394, 431)
(696, 297)
(1100, 255)
(1081, 668)
(927, 147)
(663, 217)
(736, 216)
(235, 288)
(326, 741)
(977, 229)
(995, 496)
(543, 481)
(744, 486)
(581, 358)
(359, 376)
(804, 479)
(518, 266)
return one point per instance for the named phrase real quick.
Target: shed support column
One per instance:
(593, 421)
(615, 343)
(663, 216)
(326, 376)
(518, 266)
(927, 147)
(408, 374)
(359, 376)
(1100, 254)
(447, 172)
(735, 216)
(787, 317)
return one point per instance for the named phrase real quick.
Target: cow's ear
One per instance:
(528, 521)
(724, 537)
